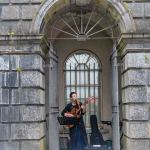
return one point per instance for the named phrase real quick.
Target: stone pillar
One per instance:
(136, 91)
(22, 93)
(52, 98)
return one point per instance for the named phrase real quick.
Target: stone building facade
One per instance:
(31, 69)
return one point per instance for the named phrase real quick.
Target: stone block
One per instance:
(142, 25)
(10, 79)
(23, 62)
(28, 96)
(32, 113)
(137, 9)
(4, 112)
(4, 131)
(10, 12)
(136, 130)
(32, 79)
(137, 60)
(135, 112)
(13, 145)
(134, 77)
(30, 145)
(4, 62)
(14, 113)
(135, 95)
(147, 9)
(131, 144)
(4, 96)
(4, 1)
(27, 131)
(10, 114)
(33, 145)
(18, 27)
(20, 1)
(36, 1)
(29, 11)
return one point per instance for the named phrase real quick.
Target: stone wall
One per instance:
(136, 95)
(17, 15)
(22, 94)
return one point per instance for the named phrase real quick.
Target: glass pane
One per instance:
(82, 77)
(92, 77)
(67, 92)
(84, 60)
(96, 77)
(77, 57)
(72, 78)
(67, 77)
(94, 91)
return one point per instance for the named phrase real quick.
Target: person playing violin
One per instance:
(77, 132)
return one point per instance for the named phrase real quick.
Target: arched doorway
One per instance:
(71, 26)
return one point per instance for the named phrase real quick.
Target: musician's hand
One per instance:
(68, 115)
(82, 106)
(91, 99)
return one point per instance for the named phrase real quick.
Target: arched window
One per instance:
(82, 75)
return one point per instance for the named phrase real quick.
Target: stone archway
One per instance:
(49, 7)
(46, 13)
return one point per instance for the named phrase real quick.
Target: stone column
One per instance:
(52, 98)
(135, 50)
(22, 90)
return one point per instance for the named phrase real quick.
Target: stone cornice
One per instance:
(20, 38)
(132, 38)
(30, 39)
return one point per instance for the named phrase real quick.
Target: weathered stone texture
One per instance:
(28, 96)
(23, 62)
(4, 1)
(4, 131)
(11, 145)
(27, 131)
(137, 9)
(131, 144)
(135, 112)
(29, 11)
(20, 1)
(136, 95)
(10, 12)
(10, 79)
(30, 145)
(22, 113)
(147, 9)
(32, 113)
(36, 1)
(17, 27)
(33, 145)
(136, 60)
(27, 47)
(4, 62)
(137, 130)
(134, 77)
(142, 25)
(10, 114)
(32, 78)
(4, 96)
